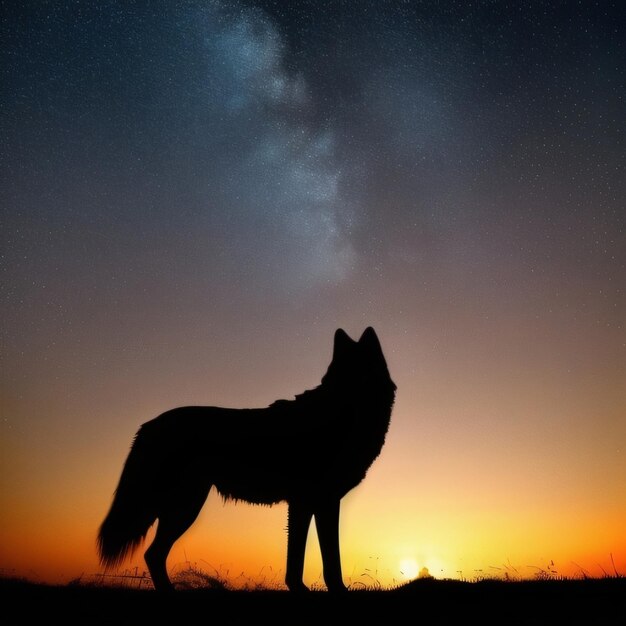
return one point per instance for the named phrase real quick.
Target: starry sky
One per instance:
(195, 195)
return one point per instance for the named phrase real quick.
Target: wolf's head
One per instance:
(359, 366)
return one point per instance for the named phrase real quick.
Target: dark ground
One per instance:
(591, 602)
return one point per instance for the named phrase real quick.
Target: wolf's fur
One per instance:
(308, 452)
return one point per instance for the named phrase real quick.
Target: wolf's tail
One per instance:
(133, 510)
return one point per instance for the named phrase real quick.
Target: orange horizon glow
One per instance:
(439, 523)
(249, 549)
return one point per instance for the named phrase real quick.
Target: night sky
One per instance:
(195, 195)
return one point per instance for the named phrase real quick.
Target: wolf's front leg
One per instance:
(327, 523)
(298, 524)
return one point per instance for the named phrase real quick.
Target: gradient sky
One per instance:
(195, 195)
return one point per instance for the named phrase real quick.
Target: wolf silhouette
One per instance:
(308, 452)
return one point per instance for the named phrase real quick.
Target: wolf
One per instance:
(308, 452)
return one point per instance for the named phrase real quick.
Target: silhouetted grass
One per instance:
(430, 601)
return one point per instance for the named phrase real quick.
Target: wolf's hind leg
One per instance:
(175, 518)
(327, 524)
(297, 529)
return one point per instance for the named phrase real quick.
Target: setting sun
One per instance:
(409, 568)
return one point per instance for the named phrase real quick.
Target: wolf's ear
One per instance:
(368, 334)
(369, 339)
(342, 343)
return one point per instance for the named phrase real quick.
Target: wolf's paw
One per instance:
(338, 587)
(297, 587)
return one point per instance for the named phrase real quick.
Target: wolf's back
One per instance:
(134, 506)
